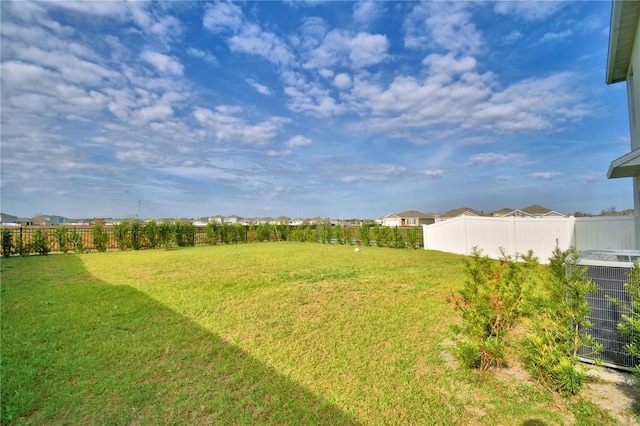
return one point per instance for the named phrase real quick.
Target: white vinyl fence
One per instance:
(518, 235)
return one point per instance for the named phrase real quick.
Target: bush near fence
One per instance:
(137, 235)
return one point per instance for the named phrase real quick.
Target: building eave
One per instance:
(622, 31)
(626, 166)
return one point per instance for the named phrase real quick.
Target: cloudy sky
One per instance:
(331, 109)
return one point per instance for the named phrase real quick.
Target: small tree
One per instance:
(412, 237)
(22, 247)
(77, 241)
(122, 233)
(629, 327)
(136, 234)
(491, 301)
(212, 232)
(363, 234)
(62, 237)
(7, 242)
(166, 233)
(560, 324)
(185, 234)
(100, 237)
(41, 242)
(150, 231)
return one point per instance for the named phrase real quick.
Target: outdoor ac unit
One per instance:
(609, 270)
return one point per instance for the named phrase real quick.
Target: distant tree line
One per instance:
(138, 235)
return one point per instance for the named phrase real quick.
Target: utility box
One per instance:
(609, 270)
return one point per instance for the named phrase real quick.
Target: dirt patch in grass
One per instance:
(616, 392)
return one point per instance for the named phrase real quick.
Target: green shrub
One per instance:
(41, 242)
(363, 234)
(62, 237)
(212, 233)
(166, 233)
(77, 241)
(185, 234)
(559, 325)
(100, 237)
(629, 327)
(7, 242)
(491, 301)
(412, 237)
(150, 231)
(136, 234)
(122, 233)
(22, 247)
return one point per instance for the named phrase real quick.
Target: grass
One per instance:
(272, 333)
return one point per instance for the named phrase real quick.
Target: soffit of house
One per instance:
(622, 32)
(626, 166)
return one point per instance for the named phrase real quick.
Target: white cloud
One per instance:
(448, 64)
(298, 140)
(205, 56)
(260, 88)
(155, 113)
(310, 97)
(433, 173)
(529, 10)
(492, 158)
(545, 175)
(555, 36)
(365, 12)
(251, 39)
(283, 153)
(222, 16)
(444, 25)
(342, 81)
(371, 172)
(368, 49)
(227, 127)
(163, 63)
(348, 49)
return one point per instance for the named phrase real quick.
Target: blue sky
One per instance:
(331, 109)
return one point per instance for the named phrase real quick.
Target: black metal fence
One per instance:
(24, 239)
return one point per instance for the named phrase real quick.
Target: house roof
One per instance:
(536, 209)
(414, 213)
(626, 166)
(622, 32)
(462, 211)
(502, 212)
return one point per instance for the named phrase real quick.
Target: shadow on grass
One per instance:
(76, 350)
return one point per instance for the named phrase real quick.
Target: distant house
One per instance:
(462, 211)
(534, 210)
(408, 218)
(44, 220)
(9, 219)
(623, 64)
(538, 211)
(503, 212)
(216, 219)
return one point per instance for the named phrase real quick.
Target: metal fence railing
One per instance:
(25, 236)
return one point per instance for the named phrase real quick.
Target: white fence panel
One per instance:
(517, 235)
(446, 236)
(490, 235)
(542, 234)
(605, 233)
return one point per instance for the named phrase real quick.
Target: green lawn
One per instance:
(265, 333)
